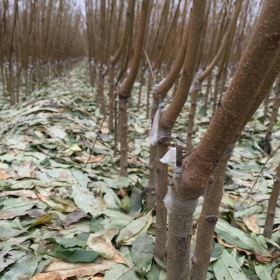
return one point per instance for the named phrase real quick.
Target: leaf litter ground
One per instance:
(63, 219)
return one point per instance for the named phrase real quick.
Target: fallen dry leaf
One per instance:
(20, 193)
(104, 128)
(93, 159)
(48, 276)
(260, 258)
(32, 140)
(263, 259)
(122, 192)
(4, 175)
(241, 225)
(66, 269)
(98, 277)
(221, 241)
(98, 242)
(25, 170)
(252, 223)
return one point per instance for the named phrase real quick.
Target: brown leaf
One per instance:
(48, 276)
(98, 277)
(6, 215)
(241, 225)
(263, 259)
(104, 129)
(32, 140)
(74, 217)
(221, 241)
(276, 254)
(25, 170)
(20, 193)
(3, 174)
(122, 192)
(135, 160)
(66, 269)
(100, 242)
(252, 223)
(93, 159)
(13, 153)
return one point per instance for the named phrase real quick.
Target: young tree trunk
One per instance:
(100, 91)
(272, 203)
(216, 92)
(169, 116)
(149, 86)
(122, 126)
(111, 96)
(160, 92)
(191, 116)
(273, 118)
(265, 110)
(208, 219)
(208, 93)
(161, 214)
(260, 53)
(226, 42)
(141, 81)
(113, 61)
(124, 91)
(213, 194)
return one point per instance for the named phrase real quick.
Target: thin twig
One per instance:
(100, 127)
(150, 66)
(261, 171)
(104, 118)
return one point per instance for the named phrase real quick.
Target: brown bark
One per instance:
(225, 41)
(161, 214)
(151, 190)
(195, 28)
(203, 35)
(242, 28)
(129, 22)
(273, 118)
(196, 21)
(122, 126)
(163, 88)
(179, 268)
(114, 60)
(213, 196)
(216, 91)
(160, 92)
(179, 234)
(180, 226)
(259, 54)
(149, 86)
(162, 23)
(141, 81)
(169, 116)
(263, 92)
(192, 111)
(265, 111)
(208, 219)
(111, 96)
(127, 41)
(272, 203)
(207, 94)
(100, 90)
(124, 91)
(167, 35)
